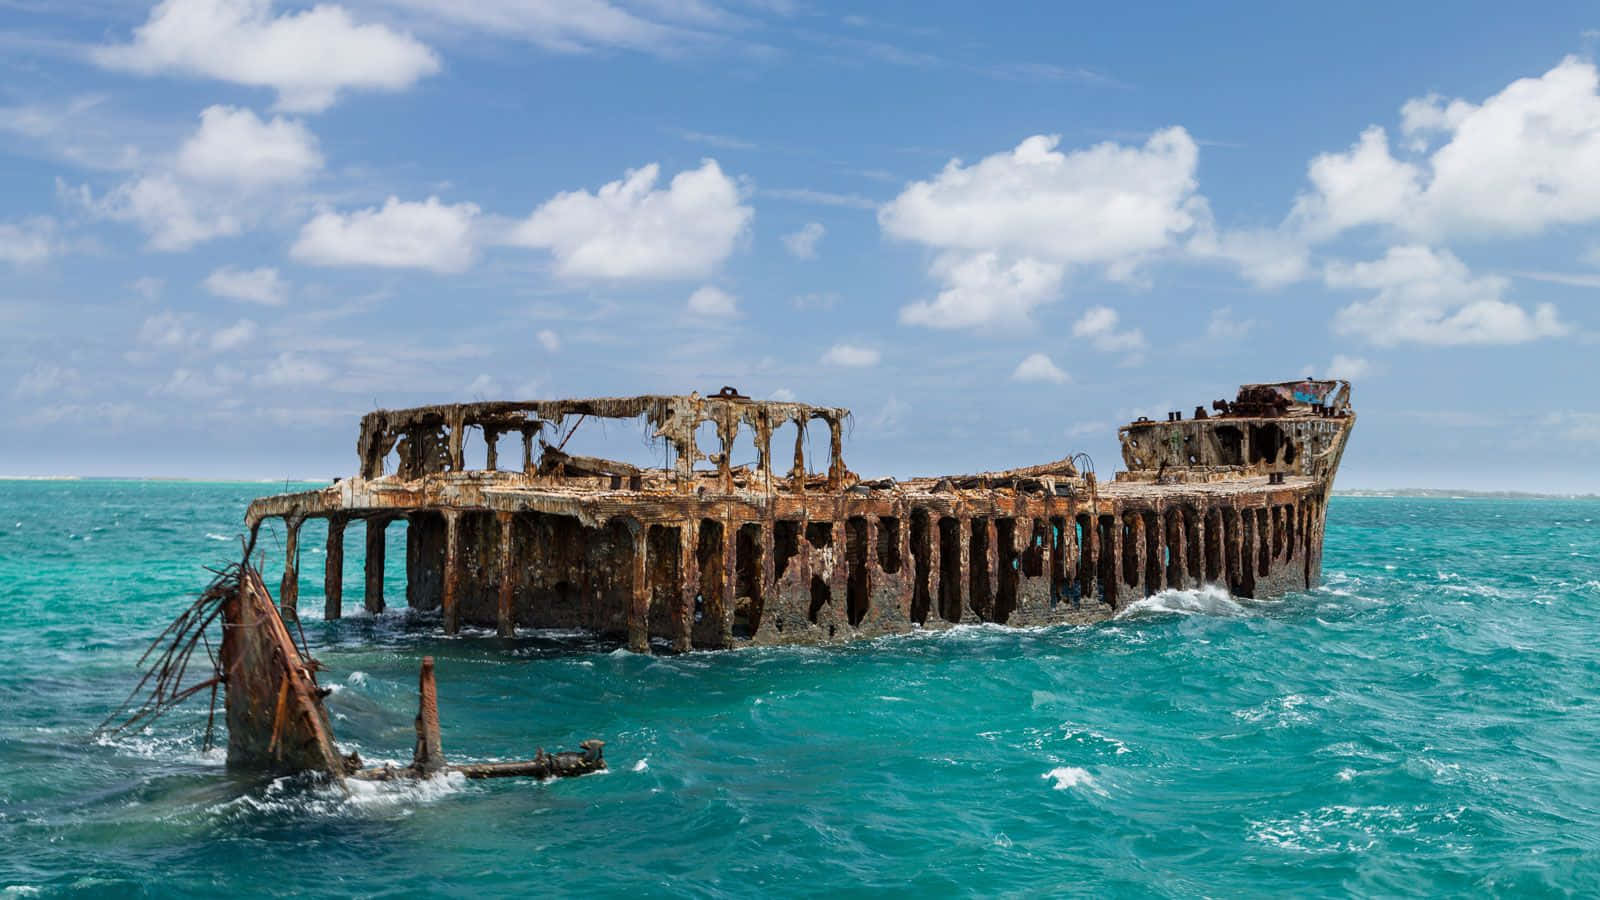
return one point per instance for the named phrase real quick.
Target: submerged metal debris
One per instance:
(703, 553)
(274, 707)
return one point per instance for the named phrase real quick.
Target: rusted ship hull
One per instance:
(735, 557)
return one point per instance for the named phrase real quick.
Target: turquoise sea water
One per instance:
(1425, 723)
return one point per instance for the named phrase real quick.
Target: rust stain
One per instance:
(703, 553)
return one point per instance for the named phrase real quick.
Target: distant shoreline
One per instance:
(1441, 494)
(166, 479)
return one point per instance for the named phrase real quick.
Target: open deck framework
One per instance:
(717, 556)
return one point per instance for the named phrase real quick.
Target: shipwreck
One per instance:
(702, 553)
(276, 720)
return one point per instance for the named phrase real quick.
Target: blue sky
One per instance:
(230, 227)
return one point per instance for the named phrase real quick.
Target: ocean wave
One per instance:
(1210, 600)
(1068, 777)
(302, 795)
(1345, 829)
(1283, 711)
(184, 749)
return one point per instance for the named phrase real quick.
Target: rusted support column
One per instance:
(428, 757)
(1177, 546)
(838, 608)
(1197, 550)
(991, 566)
(1047, 555)
(452, 570)
(1155, 569)
(1089, 555)
(725, 457)
(639, 608)
(457, 422)
(333, 569)
(689, 575)
(374, 563)
(1233, 543)
(908, 563)
(250, 546)
(873, 565)
(527, 449)
(505, 610)
(1069, 549)
(1264, 539)
(730, 581)
(835, 453)
(803, 557)
(769, 565)
(1136, 552)
(1111, 560)
(935, 539)
(491, 439)
(797, 474)
(962, 595)
(289, 590)
(764, 448)
(683, 466)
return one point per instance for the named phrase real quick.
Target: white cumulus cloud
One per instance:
(1225, 326)
(852, 356)
(263, 285)
(229, 173)
(1098, 325)
(1266, 257)
(234, 145)
(1427, 296)
(236, 335)
(172, 213)
(985, 290)
(1518, 163)
(576, 26)
(1104, 204)
(27, 242)
(712, 301)
(308, 56)
(549, 340)
(400, 234)
(1039, 367)
(1009, 226)
(632, 230)
(802, 244)
(294, 370)
(1347, 367)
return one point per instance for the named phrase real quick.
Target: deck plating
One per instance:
(727, 556)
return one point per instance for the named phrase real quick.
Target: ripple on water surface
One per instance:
(1421, 724)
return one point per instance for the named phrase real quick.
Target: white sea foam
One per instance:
(1210, 600)
(380, 795)
(642, 765)
(218, 537)
(148, 746)
(1068, 777)
(1334, 829)
(292, 795)
(1281, 711)
(357, 678)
